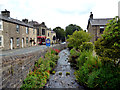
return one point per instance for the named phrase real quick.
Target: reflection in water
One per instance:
(62, 80)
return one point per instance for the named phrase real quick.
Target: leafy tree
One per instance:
(71, 28)
(108, 47)
(60, 33)
(78, 38)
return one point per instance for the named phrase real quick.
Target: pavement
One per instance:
(23, 50)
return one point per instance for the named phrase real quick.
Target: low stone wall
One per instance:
(15, 68)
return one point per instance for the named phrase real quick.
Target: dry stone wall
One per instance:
(15, 68)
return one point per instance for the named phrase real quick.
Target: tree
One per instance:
(77, 38)
(60, 33)
(108, 47)
(71, 28)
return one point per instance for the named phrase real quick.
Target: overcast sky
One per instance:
(60, 12)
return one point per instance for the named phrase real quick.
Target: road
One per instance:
(23, 50)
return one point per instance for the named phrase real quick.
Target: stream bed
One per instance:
(60, 79)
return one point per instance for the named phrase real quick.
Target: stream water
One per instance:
(60, 79)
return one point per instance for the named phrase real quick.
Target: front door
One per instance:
(22, 42)
(11, 43)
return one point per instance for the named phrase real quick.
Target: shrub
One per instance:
(107, 77)
(87, 64)
(86, 46)
(38, 78)
(77, 38)
(108, 47)
(74, 54)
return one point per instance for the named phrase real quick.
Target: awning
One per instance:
(41, 36)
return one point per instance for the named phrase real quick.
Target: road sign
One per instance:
(48, 42)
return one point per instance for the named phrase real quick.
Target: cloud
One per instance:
(60, 12)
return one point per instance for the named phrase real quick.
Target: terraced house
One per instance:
(96, 26)
(15, 33)
(43, 32)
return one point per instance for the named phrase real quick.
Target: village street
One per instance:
(23, 50)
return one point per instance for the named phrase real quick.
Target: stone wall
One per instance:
(15, 68)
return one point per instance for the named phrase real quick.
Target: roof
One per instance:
(99, 21)
(12, 20)
(102, 21)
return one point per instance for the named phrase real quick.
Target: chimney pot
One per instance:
(91, 15)
(5, 13)
(25, 20)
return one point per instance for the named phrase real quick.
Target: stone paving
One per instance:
(63, 81)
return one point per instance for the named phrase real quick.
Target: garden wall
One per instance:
(15, 68)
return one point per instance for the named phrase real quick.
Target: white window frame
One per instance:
(17, 28)
(1, 41)
(27, 30)
(18, 41)
(1, 22)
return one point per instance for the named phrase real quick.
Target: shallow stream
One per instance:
(60, 79)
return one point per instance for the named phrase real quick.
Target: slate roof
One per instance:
(98, 21)
(102, 21)
(12, 20)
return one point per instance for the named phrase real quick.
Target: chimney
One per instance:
(5, 13)
(43, 23)
(91, 15)
(25, 20)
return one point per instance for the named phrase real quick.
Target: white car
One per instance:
(63, 43)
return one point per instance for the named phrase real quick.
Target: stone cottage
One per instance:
(43, 32)
(15, 33)
(96, 26)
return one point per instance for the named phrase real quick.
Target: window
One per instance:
(0, 24)
(43, 31)
(0, 41)
(17, 28)
(48, 33)
(17, 42)
(101, 29)
(26, 40)
(27, 30)
(37, 31)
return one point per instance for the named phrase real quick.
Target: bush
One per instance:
(107, 77)
(77, 38)
(38, 78)
(74, 54)
(87, 64)
(86, 46)
(108, 47)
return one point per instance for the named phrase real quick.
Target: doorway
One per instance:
(22, 42)
(11, 43)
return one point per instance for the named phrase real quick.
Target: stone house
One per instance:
(43, 32)
(96, 26)
(15, 33)
(51, 35)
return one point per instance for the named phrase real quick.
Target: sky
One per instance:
(60, 12)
